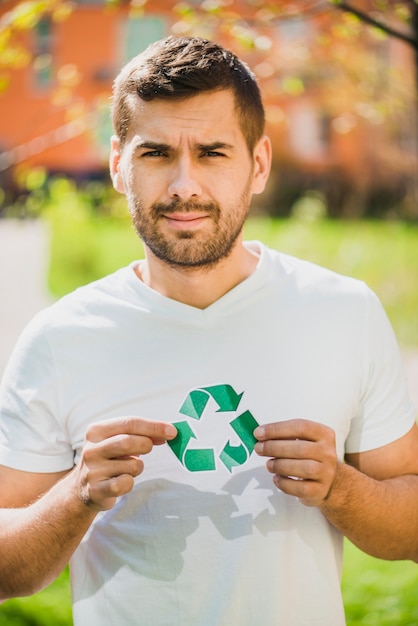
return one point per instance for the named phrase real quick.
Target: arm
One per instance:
(45, 516)
(372, 499)
(385, 483)
(37, 539)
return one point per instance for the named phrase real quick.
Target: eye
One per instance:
(213, 153)
(153, 153)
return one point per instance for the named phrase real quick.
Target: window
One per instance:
(140, 32)
(309, 131)
(42, 64)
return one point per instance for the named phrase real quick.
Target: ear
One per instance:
(262, 164)
(114, 162)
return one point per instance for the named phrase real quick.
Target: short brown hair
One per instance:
(181, 67)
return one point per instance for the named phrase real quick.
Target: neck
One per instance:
(198, 287)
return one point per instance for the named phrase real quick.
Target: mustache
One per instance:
(188, 206)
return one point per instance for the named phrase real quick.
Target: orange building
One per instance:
(52, 112)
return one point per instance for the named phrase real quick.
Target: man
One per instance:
(199, 430)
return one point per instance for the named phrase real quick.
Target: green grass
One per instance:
(51, 607)
(385, 255)
(379, 593)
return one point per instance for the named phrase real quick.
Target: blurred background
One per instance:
(339, 81)
(340, 84)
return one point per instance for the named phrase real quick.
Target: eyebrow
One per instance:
(201, 147)
(216, 145)
(152, 145)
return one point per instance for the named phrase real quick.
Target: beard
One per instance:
(190, 248)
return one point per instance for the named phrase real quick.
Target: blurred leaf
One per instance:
(293, 85)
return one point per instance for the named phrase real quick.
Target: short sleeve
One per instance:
(31, 437)
(385, 412)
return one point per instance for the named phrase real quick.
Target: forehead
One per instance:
(208, 114)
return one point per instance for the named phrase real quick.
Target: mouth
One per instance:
(185, 221)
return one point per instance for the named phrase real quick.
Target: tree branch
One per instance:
(365, 17)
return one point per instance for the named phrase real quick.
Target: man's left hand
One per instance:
(303, 458)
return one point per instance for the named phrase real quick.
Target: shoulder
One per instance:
(90, 299)
(305, 280)
(88, 307)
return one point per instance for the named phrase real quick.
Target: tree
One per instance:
(406, 12)
(402, 13)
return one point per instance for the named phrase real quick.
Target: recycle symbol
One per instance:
(203, 459)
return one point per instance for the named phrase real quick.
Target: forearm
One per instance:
(380, 517)
(37, 541)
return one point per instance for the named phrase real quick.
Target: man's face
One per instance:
(188, 177)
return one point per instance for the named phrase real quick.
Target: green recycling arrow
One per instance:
(244, 426)
(195, 460)
(224, 395)
(203, 459)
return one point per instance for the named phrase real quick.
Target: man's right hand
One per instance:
(44, 516)
(111, 457)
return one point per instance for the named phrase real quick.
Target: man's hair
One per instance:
(179, 68)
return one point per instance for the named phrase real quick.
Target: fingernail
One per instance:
(259, 432)
(259, 447)
(170, 431)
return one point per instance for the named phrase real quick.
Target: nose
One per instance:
(184, 184)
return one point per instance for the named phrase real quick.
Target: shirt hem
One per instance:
(33, 463)
(383, 437)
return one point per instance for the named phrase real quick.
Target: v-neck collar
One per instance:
(168, 307)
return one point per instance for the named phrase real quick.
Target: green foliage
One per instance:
(51, 607)
(87, 244)
(379, 593)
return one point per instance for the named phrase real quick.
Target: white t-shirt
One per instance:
(205, 538)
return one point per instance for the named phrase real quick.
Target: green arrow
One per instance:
(199, 460)
(194, 460)
(232, 456)
(195, 404)
(244, 425)
(225, 396)
(181, 441)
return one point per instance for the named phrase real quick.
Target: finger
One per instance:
(308, 491)
(131, 466)
(155, 430)
(103, 495)
(122, 446)
(290, 449)
(303, 470)
(292, 429)
(118, 447)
